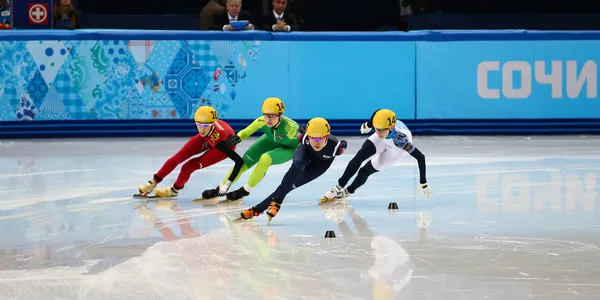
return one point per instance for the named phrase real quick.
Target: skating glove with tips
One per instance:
(342, 147)
(301, 132)
(364, 128)
(233, 140)
(424, 189)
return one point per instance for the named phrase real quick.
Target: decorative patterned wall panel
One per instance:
(84, 80)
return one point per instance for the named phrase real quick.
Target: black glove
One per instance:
(233, 140)
(302, 129)
(301, 132)
(342, 147)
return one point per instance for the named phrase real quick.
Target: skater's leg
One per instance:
(253, 154)
(373, 145)
(195, 145)
(299, 163)
(306, 174)
(363, 174)
(272, 157)
(207, 159)
(313, 170)
(382, 161)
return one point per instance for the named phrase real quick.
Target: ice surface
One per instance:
(510, 218)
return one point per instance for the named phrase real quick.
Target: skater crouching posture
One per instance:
(211, 139)
(276, 146)
(391, 141)
(311, 159)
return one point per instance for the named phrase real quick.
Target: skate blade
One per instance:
(326, 200)
(205, 199)
(229, 204)
(225, 201)
(153, 197)
(240, 219)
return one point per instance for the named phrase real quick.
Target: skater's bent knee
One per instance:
(265, 160)
(298, 166)
(191, 165)
(175, 160)
(367, 169)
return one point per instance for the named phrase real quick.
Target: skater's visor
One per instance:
(203, 125)
(317, 139)
(270, 116)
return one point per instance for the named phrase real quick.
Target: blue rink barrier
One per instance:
(86, 83)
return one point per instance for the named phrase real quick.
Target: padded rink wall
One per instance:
(149, 83)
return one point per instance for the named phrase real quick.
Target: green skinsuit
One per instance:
(274, 147)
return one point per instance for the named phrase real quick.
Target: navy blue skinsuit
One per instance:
(307, 165)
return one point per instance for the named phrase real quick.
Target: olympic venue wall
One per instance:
(115, 83)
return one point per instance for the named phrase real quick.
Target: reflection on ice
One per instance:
(501, 224)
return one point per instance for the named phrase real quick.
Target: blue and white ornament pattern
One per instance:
(119, 79)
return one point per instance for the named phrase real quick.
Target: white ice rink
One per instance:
(510, 218)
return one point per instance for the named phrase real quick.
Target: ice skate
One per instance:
(336, 192)
(219, 191)
(273, 210)
(210, 194)
(147, 188)
(237, 194)
(166, 192)
(247, 214)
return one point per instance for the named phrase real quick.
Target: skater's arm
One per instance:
(370, 122)
(366, 127)
(340, 147)
(420, 157)
(239, 162)
(301, 133)
(401, 141)
(252, 128)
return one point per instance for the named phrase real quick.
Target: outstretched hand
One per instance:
(233, 140)
(425, 190)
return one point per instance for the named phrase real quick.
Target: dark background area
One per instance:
(357, 15)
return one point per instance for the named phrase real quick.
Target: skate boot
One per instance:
(219, 191)
(166, 192)
(212, 193)
(248, 214)
(336, 192)
(147, 188)
(237, 194)
(273, 210)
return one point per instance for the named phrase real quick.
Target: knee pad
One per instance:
(265, 160)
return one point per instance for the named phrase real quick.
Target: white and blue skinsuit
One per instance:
(387, 151)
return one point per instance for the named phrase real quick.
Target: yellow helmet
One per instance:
(318, 127)
(384, 119)
(206, 115)
(273, 106)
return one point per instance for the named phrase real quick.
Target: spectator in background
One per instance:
(65, 16)
(233, 12)
(297, 8)
(211, 10)
(279, 19)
